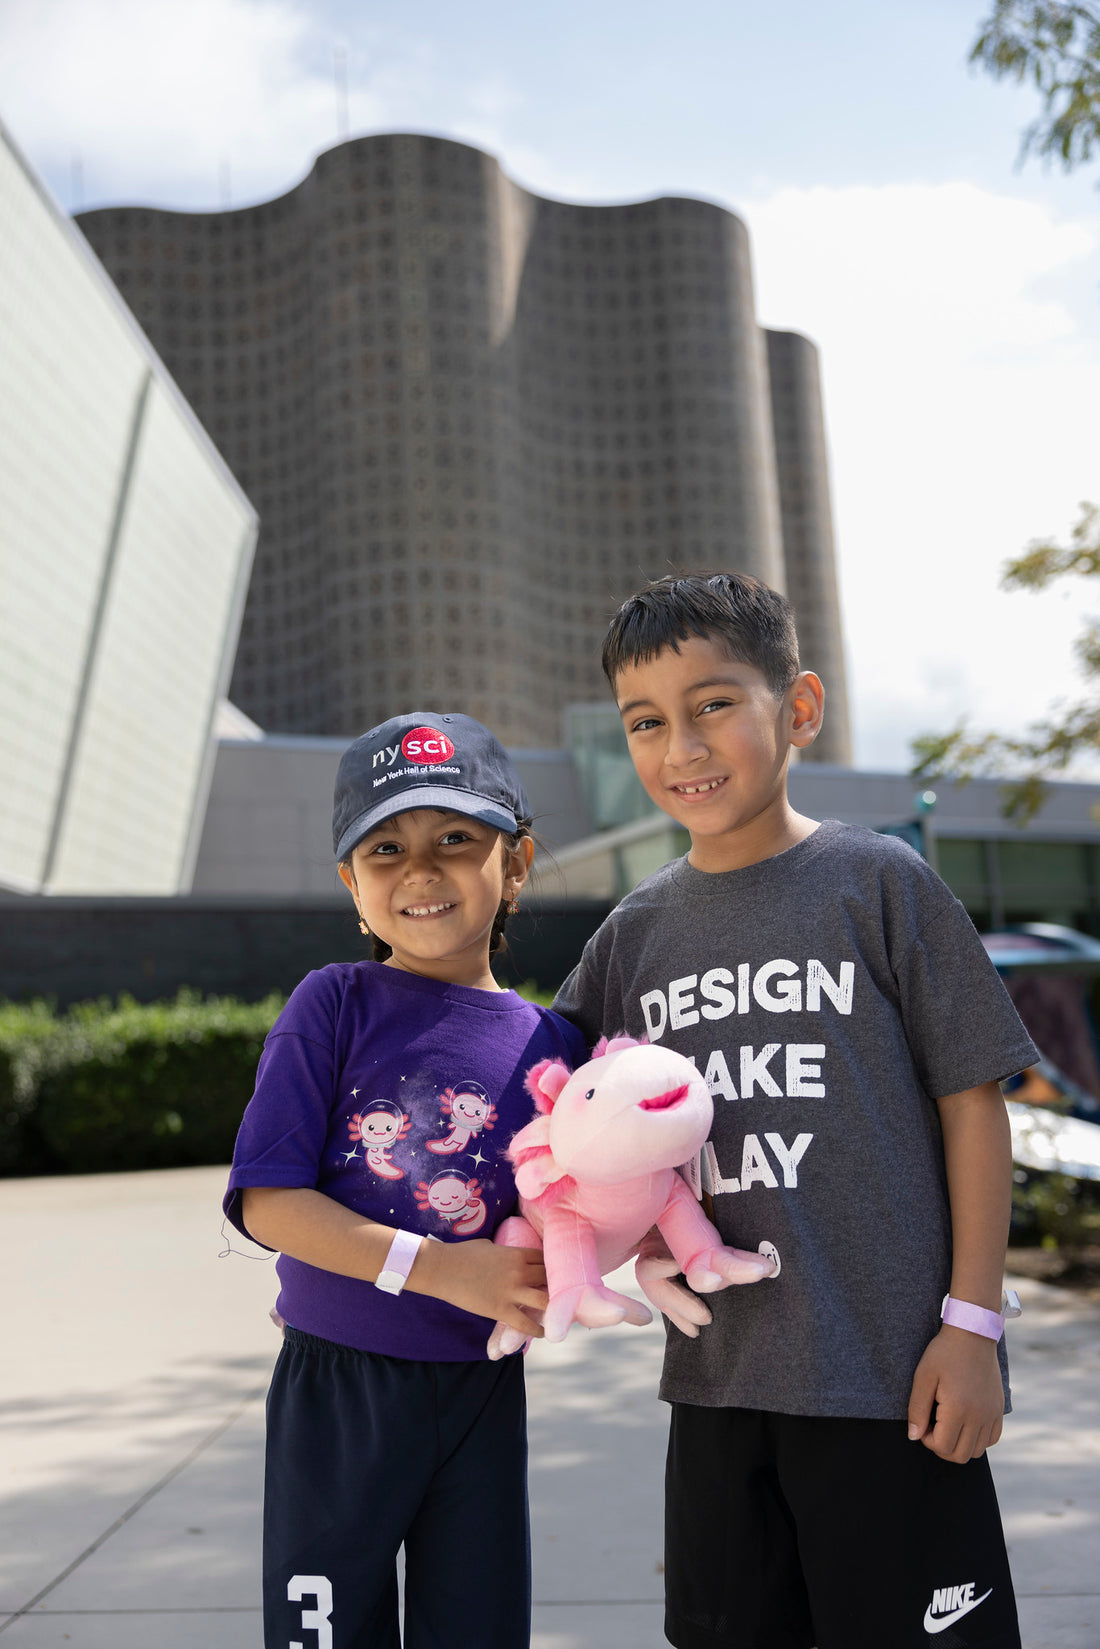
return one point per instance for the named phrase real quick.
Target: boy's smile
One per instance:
(710, 740)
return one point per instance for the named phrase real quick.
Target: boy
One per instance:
(826, 1483)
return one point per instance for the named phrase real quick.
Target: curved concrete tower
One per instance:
(807, 517)
(473, 421)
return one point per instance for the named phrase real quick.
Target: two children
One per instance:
(827, 1485)
(385, 1099)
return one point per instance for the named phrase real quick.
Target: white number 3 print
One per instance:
(319, 1588)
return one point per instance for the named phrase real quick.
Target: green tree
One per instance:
(1050, 745)
(1056, 48)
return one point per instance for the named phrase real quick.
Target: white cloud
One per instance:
(156, 100)
(155, 96)
(960, 393)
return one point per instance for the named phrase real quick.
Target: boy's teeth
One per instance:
(695, 789)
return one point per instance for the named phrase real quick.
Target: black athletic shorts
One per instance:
(785, 1532)
(368, 1453)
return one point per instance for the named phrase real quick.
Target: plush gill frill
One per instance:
(538, 1177)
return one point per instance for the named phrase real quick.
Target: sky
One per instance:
(954, 294)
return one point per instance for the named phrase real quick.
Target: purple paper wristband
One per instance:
(399, 1261)
(961, 1314)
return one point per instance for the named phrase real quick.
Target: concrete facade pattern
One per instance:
(807, 522)
(474, 420)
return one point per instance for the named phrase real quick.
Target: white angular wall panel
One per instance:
(141, 758)
(64, 419)
(124, 548)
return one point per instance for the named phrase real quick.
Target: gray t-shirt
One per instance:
(830, 994)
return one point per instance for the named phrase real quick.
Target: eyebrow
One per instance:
(695, 687)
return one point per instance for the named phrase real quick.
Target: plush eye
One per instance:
(590, 1092)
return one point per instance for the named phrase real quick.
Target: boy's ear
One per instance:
(806, 702)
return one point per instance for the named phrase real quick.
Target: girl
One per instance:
(387, 1424)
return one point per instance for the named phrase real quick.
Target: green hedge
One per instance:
(25, 1033)
(158, 1085)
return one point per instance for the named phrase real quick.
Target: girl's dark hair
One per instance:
(381, 952)
(751, 621)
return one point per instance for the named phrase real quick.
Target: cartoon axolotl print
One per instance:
(455, 1199)
(470, 1110)
(380, 1128)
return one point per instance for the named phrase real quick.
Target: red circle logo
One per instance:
(426, 746)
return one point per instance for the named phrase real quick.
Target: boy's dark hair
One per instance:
(752, 622)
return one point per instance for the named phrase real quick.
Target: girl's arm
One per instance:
(477, 1275)
(959, 1372)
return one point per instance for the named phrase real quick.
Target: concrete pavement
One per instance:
(132, 1369)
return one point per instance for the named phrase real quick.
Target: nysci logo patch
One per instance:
(426, 746)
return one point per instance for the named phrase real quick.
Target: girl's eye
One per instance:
(386, 848)
(454, 837)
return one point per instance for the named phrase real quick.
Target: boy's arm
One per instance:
(478, 1275)
(957, 1401)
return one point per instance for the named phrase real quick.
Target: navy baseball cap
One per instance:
(424, 760)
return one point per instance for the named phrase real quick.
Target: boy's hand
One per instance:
(956, 1406)
(503, 1284)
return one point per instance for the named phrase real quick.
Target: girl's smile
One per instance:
(430, 883)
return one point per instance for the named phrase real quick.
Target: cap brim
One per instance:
(448, 798)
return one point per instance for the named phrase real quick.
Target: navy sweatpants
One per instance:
(366, 1453)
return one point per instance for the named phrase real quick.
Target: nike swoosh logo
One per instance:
(940, 1623)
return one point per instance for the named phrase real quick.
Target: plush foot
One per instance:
(715, 1268)
(504, 1340)
(656, 1274)
(594, 1307)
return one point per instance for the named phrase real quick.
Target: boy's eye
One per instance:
(715, 704)
(644, 724)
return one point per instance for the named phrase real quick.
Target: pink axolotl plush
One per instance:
(596, 1170)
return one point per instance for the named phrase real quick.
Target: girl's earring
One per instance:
(512, 907)
(363, 928)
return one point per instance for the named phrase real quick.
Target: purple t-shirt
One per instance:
(397, 1096)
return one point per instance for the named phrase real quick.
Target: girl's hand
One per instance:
(959, 1379)
(503, 1284)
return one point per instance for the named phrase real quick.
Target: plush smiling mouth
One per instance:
(426, 910)
(664, 1102)
(703, 789)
